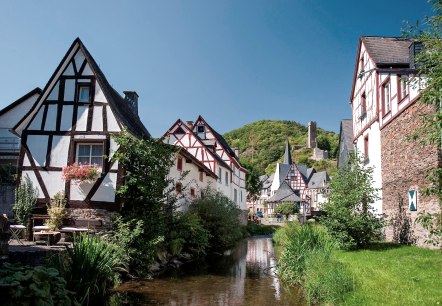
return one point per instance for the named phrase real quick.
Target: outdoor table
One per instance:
(47, 235)
(16, 230)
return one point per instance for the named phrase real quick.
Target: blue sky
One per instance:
(234, 62)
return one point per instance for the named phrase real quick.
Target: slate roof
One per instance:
(287, 155)
(268, 181)
(284, 194)
(283, 170)
(388, 50)
(347, 133)
(119, 105)
(319, 180)
(303, 170)
(310, 172)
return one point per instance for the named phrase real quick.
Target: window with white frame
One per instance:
(403, 86)
(386, 97)
(90, 153)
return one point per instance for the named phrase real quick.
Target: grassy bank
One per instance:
(387, 274)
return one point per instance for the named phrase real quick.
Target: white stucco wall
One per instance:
(191, 180)
(374, 152)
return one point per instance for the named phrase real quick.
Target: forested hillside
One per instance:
(261, 143)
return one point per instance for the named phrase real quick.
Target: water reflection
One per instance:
(245, 277)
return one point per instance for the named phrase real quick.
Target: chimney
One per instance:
(236, 150)
(189, 124)
(311, 141)
(132, 99)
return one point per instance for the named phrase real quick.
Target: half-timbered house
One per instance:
(385, 111)
(191, 177)
(72, 121)
(206, 145)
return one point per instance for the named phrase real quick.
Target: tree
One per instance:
(429, 72)
(145, 190)
(253, 184)
(286, 209)
(348, 214)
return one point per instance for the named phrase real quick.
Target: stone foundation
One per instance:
(94, 214)
(405, 165)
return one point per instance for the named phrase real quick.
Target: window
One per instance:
(403, 86)
(386, 97)
(366, 148)
(179, 188)
(227, 178)
(361, 65)
(235, 195)
(219, 175)
(192, 192)
(200, 128)
(83, 93)
(90, 153)
(363, 105)
(202, 194)
(179, 164)
(240, 196)
(201, 176)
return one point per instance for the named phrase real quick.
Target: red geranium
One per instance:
(81, 172)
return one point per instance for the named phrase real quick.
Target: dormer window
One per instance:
(84, 93)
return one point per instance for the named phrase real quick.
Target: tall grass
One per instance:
(89, 268)
(306, 259)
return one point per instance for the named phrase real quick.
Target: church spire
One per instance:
(287, 155)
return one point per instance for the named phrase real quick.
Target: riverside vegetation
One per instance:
(149, 231)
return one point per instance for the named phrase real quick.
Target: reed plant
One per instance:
(90, 268)
(307, 260)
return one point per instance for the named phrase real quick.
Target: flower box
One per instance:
(81, 172)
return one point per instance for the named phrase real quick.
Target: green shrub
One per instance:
(24, 285)
(56, 211)
(89, 267)
(124, 235)
(254, 229)
(349, 215)
(325, 280)
(25, 200)
(220, 217)
(189, 235)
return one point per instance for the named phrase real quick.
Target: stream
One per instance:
(246, 276)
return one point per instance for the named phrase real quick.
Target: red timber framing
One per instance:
(223, 150)
(296, 180)
(181, 135)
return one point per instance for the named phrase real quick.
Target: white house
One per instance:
(191, 177)
(73, 120)
(9, 116)
(383, 100)
(210, 148)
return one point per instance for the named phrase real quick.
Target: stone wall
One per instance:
(405, 165)
(7, 198)
(94, 214)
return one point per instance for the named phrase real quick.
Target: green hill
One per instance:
(261, 144)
